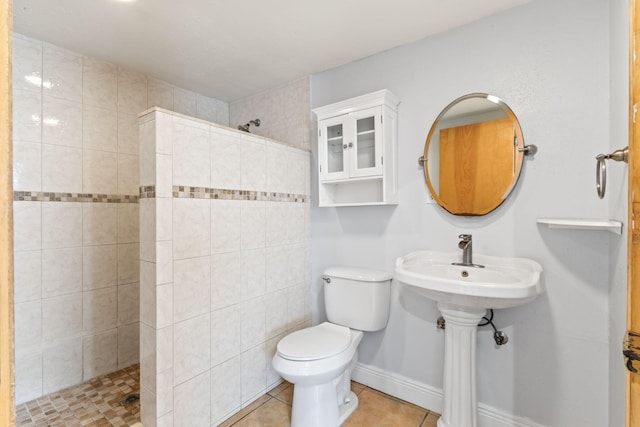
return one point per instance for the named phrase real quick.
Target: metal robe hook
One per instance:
(621, 155)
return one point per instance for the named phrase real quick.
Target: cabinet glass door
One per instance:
(331, 151)
(367, 158)
(335, 150)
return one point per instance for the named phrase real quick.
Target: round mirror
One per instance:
(473, 155)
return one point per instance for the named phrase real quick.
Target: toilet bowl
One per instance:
(319, 360)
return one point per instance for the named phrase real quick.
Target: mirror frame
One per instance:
(519, 159)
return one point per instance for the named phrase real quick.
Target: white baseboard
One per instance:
(430, 397)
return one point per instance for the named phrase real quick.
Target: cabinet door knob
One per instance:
(345, 146)
(351, 145)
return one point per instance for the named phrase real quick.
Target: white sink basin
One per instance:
(502, 283)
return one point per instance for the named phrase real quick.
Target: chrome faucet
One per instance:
(466, 244)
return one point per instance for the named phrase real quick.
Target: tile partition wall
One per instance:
(76, 211)
(283, 111)
(225, 265)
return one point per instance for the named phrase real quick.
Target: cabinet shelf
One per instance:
(612, 226)
(366, 132)
(335, 138)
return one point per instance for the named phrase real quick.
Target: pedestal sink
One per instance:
(463, 294)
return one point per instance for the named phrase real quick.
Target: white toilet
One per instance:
(318, 361)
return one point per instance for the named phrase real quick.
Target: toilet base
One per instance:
(315, 406)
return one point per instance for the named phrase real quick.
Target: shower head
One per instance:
(245, 127)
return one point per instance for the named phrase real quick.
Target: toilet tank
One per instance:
(357, 298)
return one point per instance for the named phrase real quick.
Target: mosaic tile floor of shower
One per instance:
(98, 402)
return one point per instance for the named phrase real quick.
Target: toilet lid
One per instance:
(317, 342)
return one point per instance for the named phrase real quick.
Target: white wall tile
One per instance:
(192, 287)
(225, 334)
(61, 169)
(28, 375)
(61, 225)
(253, 173)
(164, 263)
(128, 174)
(99, 83)
(147, 405)
(62, 73)
(226, 392)
(128, 345)
(207, 108)
(226, 279)
(271, 348)
(191, 348)
(100, 354)
(62, 365)
(160, 94)
(147, 229)
(62, 122)
(100, 310)
(253, 274)
(99, 129)
(128, 303)
(276, 313)
(225, 159)
(191, 228)
(164, 390)
(164, 133)
(184, 102)
(99, 266)
(27, 166)
(164, 178)
(28, 326)
(225, 226)
(128, 263)
(132, 91)
(277, 222)
(27, 275)
(164, 305)
(192, 401)
(147, 141)
(278, 268)
(26, 63)
(191, 156)
(128, 222)
(61, 317)
(297, 309)
(279, 162)
(99, 224)
(27, 226)
(100, 172)
(253, 372)
(61, 271)
(253, 224)
(165, 348)
(128, 134)
(253, 330)
(164, 219)
(148, 303)
(27, 115)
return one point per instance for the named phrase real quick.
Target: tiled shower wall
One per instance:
(283, 111)
(76, 211)
(224, 249)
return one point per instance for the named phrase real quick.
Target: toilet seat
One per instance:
(315, 343)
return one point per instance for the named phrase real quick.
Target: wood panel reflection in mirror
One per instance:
(473, 155)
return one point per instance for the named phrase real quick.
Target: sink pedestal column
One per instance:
(459, 383)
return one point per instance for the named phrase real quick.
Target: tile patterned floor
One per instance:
(96, 402)
(376, 409)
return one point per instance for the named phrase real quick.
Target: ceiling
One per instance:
(230, 49)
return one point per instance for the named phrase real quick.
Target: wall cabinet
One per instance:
(357, 151)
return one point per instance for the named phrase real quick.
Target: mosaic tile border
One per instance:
(186, 192)
(43, 196)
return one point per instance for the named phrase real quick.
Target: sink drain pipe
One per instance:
(498, 336)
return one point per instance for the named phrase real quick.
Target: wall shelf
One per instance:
(612, 226)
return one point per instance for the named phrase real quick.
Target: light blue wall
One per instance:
(549, 61)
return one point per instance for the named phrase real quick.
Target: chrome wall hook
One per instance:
(620, 155)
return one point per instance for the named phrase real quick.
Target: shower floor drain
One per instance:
(132, 398)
